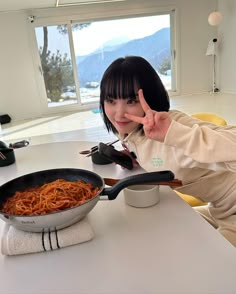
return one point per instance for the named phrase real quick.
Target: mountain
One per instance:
(155, 48)
(115, 43)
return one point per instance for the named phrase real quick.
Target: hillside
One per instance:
(154, 48)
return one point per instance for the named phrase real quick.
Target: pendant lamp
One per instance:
(215, 18)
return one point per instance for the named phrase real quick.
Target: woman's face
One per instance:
(115, 110)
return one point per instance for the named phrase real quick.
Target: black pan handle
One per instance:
(145, 178)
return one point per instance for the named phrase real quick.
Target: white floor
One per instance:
(88, 126)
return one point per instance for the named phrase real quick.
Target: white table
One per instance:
(166, 248)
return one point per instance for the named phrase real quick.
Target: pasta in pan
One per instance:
(51, 197)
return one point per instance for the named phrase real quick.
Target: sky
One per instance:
(134, 28)
(88, 40)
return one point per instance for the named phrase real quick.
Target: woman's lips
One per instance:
(122, 123)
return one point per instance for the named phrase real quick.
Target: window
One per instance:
(73, 65)
(54, 50)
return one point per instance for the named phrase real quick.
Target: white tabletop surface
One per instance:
(167, 248)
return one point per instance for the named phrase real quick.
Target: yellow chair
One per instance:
(217, 120)
(210, 117)
(192, 201)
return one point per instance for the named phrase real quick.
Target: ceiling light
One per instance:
(64, 4)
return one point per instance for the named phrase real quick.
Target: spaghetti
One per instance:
(51, 197)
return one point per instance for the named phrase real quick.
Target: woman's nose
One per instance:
(120, 111)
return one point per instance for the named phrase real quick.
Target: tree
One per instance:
(164, 66)
(58, 74)
(57, 69)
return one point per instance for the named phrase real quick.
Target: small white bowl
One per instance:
(142, 195)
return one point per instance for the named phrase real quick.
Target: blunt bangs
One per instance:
(120, 85)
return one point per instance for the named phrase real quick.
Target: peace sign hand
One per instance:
(155, 124)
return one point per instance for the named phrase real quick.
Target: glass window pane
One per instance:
(101, 42)
(54, 50)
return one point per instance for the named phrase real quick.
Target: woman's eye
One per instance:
(132, 101)
(110, 100)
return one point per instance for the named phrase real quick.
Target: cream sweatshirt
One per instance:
(200, 154)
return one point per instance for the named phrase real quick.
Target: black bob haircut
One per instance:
(122, 80)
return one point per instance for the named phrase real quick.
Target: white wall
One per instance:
(18, 88)
(19, 94)
(227, 39)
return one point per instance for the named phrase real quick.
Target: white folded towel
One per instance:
(16, 242)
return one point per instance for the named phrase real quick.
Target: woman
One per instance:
(135, 106)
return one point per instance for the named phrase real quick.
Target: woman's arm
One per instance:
(202, 143)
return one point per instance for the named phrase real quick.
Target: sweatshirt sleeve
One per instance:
(203, 143)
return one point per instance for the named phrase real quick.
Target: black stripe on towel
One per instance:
(49, 239)
(43, 241)
(58, 246)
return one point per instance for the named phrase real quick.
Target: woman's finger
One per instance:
(135, 118)
(143, 102)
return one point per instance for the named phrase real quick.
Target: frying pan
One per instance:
(61, 219)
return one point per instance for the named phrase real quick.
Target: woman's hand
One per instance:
(155, 124)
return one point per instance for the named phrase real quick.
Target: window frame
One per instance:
(109, 15)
